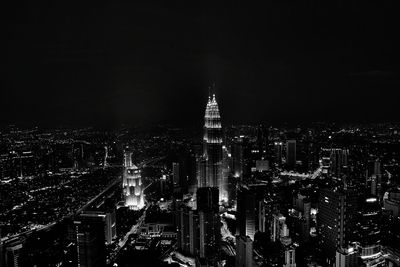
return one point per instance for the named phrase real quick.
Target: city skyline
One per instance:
(232, 135)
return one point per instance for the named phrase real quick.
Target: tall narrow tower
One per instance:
(212, 148)
(132, 184)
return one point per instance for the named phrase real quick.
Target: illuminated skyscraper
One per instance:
(337, 209)
(368, 232)
(132, 184)
(212, 149)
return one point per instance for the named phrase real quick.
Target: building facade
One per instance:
(212, 150)
(132, 184)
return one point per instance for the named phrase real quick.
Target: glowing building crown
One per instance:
(212, 117)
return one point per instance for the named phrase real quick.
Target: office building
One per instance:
(12, 252)
(368, 232)
(339, 161)
(132, 184)
(334, 161)
(207, 199)
(175, 174)
(291, 154)
(212, 149)
(188, 231)
(246, 212)
(262, 141)
(90, 240)
(289, 256)
(237, 158)
(262, 165)
(391, 202)
(278, 147)
(107, 219)
(337, 211)
(347, 257)
(250, 210)
(244, 251)
(209, 222)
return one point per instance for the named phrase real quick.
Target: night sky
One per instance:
(107, 64)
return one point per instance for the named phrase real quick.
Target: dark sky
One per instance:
(106, 64)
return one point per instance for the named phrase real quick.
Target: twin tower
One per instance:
(211, 167)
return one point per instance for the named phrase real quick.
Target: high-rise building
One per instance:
(209, 222)
(289, 256)
(339, 161)
(175, 173)
(108, 220)
(391, 202)
(246, 212)
(376, 179)
(346, 257)
(291, 153)
(193, 182)
(237, 159)
(300, 217)
(368, 231)
(132, 184)
(377, 167)
(212, 149)
(250, 210)
(13, 252)
(176, 177)
(244, 251)
(189, 231)
(262, 141)
(262, 165)
(280, 232)
(278, 147)
(337, 211)
(334, 161)
(90, 241)
(201, 171)
(207, 199)
(226, 159)
(277, 224)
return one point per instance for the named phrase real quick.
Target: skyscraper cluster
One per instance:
(199, 231)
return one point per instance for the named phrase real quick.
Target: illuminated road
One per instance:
(135, 228)
(116, 181)
(150, 162)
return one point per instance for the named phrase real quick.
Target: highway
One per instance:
(134, 230)
(116, 181)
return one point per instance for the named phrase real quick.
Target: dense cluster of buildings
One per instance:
(297, 197)
(317, 195)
